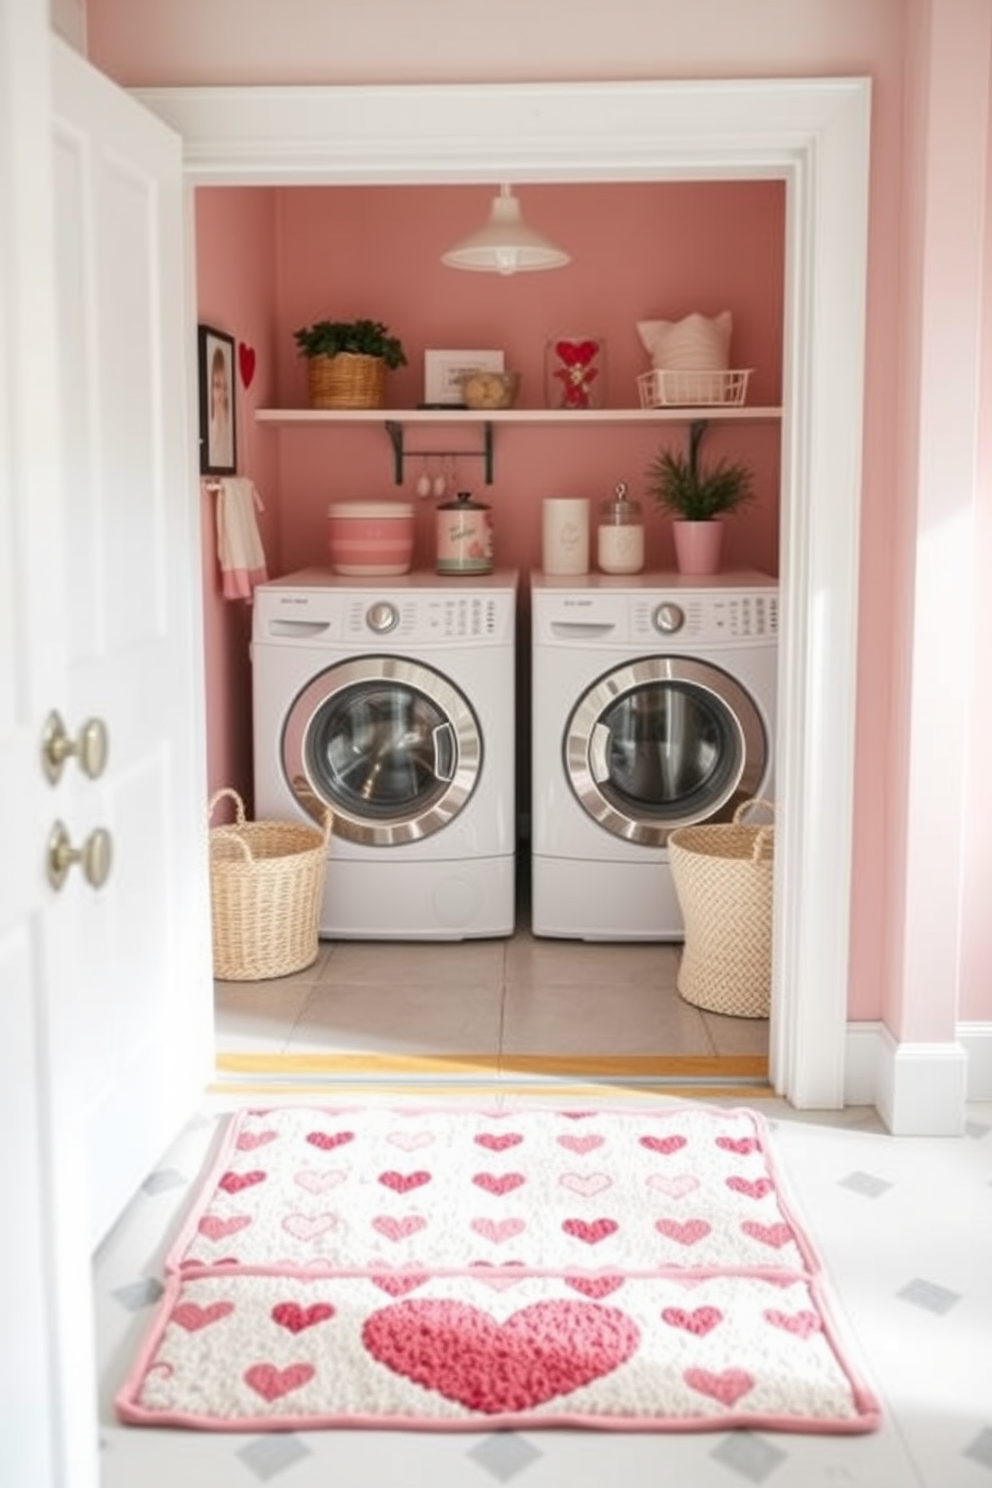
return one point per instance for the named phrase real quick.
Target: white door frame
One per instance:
(813, 133)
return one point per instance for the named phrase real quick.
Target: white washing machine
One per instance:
(392, 702)
(654, 707)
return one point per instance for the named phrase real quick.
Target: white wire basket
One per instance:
(667, 387)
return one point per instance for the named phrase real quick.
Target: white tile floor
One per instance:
(903, 1225)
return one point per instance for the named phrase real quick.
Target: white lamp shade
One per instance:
(505, 245)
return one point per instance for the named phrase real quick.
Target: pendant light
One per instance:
(505, 245)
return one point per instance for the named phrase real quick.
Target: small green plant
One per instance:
(684, 487)
(359, 337)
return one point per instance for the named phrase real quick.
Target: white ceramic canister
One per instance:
(464, 536)
(565, 535)
(620, 534)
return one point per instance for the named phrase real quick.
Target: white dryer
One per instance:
(654, 707)
(392, 702)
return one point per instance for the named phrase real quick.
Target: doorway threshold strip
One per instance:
(465, 1269)
(602, 1068)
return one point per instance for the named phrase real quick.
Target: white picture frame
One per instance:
(443, 371)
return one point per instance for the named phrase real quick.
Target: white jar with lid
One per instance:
(620, 535)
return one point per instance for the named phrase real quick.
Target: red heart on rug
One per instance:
(216, 1228)
(272, 1383)
(700, 1321)
(689, 1233)
(754, 1190)
(740, 1145)
(543, 1351)
(594, 1286)
(498, 1141)
(235, 1182)
(727, 1387)
(665, 1145)
(498, 1230)
(193, 1317)
(328, 1140)
(803, 1324)
(576, 1115)
(398, 1229)
(498, 1183)
(246, 362)
(404, 1182)
(775, 1235)
(581, 1144)
(290, 1315)
(401, 1283)
(248, 1141)
(591, 1231)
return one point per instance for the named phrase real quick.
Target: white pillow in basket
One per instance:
(698, 343)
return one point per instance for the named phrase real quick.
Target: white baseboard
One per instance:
(976, 1040)
(918, 1089)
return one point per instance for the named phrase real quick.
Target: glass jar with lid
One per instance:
(620, 534)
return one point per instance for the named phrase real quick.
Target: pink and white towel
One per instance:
(239, 546)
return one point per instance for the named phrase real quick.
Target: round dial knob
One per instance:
(382, 617)
(668, 618)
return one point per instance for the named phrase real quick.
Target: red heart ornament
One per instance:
(543, 1351)
(246, 362)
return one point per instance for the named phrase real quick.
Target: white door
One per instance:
(105, 990)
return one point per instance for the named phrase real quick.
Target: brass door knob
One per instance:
(94, 856)
(90, 747)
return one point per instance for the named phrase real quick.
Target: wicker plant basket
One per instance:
(723, 878)
(347, 380)
(266, 886)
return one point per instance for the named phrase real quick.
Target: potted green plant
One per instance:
(347, 361)
(696, 496)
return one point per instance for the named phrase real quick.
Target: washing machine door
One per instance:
(390, 745)
(663, 742)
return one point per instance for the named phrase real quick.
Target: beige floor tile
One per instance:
(537, 963)
(425, 963)
(737, 1035)
(257, 1017)
(603, 1017)
(402, 1018)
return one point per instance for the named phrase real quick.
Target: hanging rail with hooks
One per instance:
(397, 433)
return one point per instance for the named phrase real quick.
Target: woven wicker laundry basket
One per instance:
(266, 885)
(722, 874)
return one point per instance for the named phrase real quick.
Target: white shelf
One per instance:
(576, 417)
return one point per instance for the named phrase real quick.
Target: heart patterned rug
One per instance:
(466, 1270)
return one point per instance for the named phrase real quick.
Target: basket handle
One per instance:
(239, 805)
(748, 805)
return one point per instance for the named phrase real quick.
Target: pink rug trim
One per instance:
(467, 1270)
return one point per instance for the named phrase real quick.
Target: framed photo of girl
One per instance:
(217, 430)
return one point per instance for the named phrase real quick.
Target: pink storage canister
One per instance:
(464, 536)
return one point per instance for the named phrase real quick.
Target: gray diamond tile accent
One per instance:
(865, 1183)
(504, 1456)
(980, 1450)
(928, 1295)
(268, 1456)
(139, 1294)
(750, 1456)
(162, 1180)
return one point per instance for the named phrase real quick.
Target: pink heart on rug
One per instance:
(246, 363)
(595, 1285)
(581, 1145)
(689, 1233)
(248, 1141)
(272, 1383)
(591, 1232)
(309, 1226)
(398, 1229)
(193, 1317)
(498, 1230)
(576, 1115)
(586, 1184)
(318, 1183)
(401, 1283)
(700, 1321)
(498, 1183)
(235, 1182)
(290, 1315)
(727, 1387)
(498, 1141)
(497, 1279)
(741, 1145)
(754, 1189)
(673, 1188)
(803, 1324)
(461, 1353)
(410, 1141)
(328, 1140)
(775, 1235)
(664, 1145)
(404, 1182)
(216, 1228)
